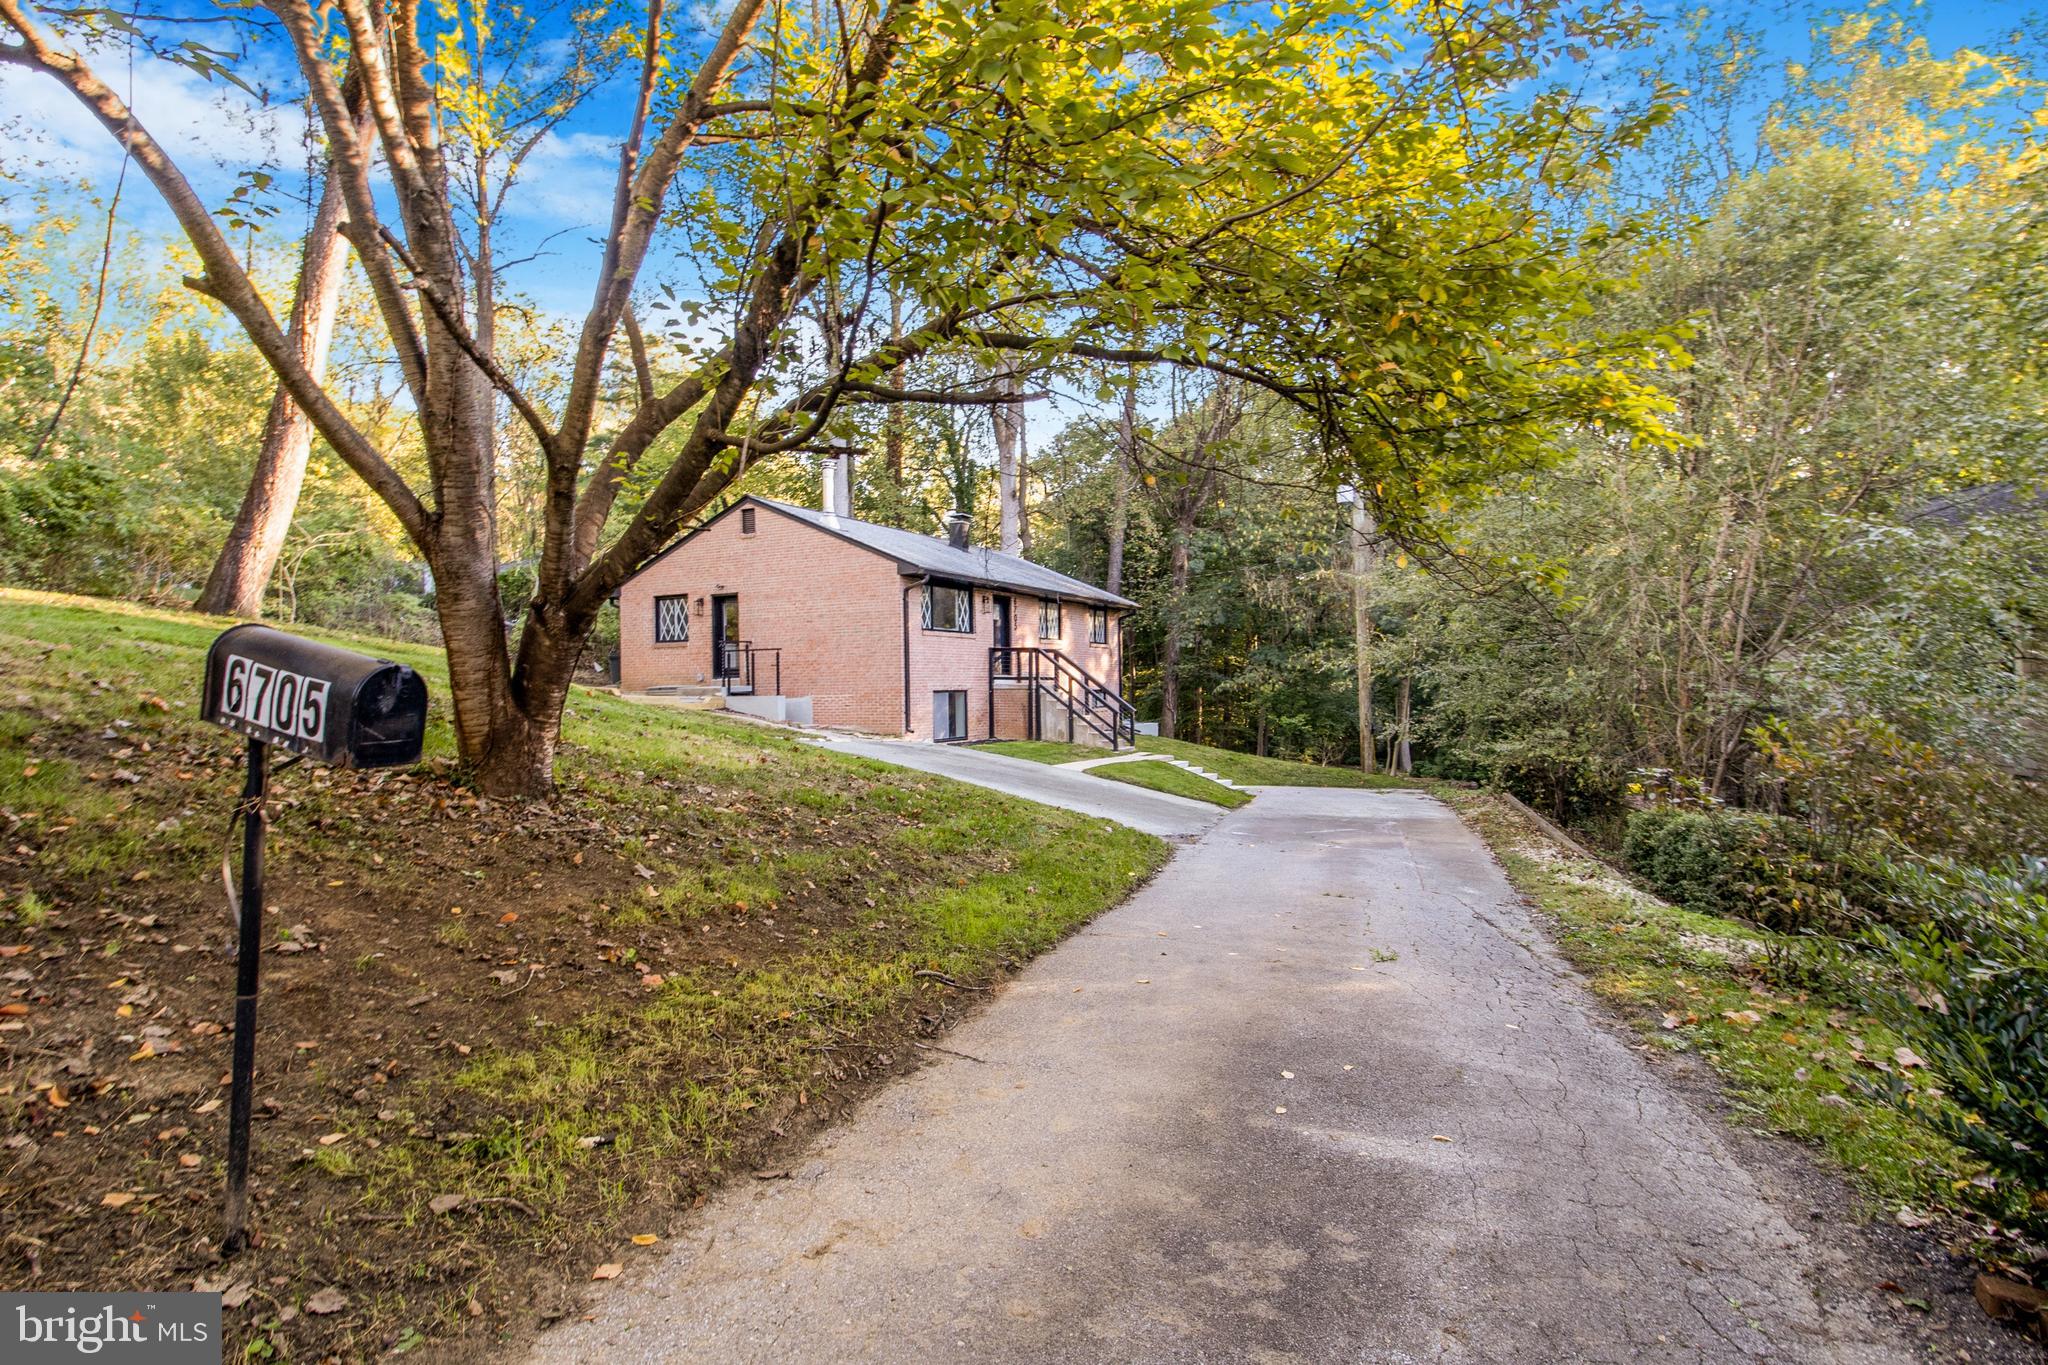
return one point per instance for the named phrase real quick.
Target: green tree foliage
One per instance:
(1354, 211)
(131, 493)
(1852, 528)
(1266, 662)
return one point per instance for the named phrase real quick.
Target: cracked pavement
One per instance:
(1463, 1165)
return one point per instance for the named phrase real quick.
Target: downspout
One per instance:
(906, 647)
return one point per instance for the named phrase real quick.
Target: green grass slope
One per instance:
(1164, 777)
(1253, 771)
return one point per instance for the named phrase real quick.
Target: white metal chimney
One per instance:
(838, 480)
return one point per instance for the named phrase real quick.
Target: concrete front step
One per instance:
(679, 698)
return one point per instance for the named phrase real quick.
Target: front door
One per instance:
(1002, 636)
(725, 634)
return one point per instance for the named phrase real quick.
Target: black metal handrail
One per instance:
(736, 665)
(1050, 672)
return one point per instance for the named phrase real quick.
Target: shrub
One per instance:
(1860, 781)
(1736, 863)
(1968, 989)
(1644, 835)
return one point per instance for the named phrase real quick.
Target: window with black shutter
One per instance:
(671, 620)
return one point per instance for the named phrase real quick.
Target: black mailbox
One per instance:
(333, 705)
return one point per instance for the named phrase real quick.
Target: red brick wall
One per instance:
(836, 611)
(834, 608)
(944, 660)
(1013, 713)
(1100, 660)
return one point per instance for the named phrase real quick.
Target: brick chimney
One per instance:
(958, 524)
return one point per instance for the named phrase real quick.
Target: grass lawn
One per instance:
(501, 1043)
(1045, 750)
(1254, 771)
(1164, 777)
(1794, 1060)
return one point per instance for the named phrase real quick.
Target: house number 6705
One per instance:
(274, 698)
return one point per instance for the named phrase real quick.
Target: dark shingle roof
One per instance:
(916, 553)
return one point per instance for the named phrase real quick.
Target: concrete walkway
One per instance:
(1174, 817)
(1318, 1093)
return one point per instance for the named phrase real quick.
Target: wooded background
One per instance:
(1808, 551)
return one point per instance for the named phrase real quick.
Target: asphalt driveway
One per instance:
(1318, 1093)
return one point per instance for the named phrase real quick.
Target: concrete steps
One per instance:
(1083, 764)
(1218, 778)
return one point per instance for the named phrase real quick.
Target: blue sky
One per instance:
(214, 129)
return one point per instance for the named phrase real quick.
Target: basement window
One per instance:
(672, 620)
(948, 606)
(949, 715)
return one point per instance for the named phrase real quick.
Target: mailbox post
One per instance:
(323, 703)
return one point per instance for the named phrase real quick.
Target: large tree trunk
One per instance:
(1169, 663)
(893, 416)
(1023, 476)
(1364, 562)
(242, 573)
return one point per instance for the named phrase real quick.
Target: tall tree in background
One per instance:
(1181, 470)
(1008, 417)
(1365, 558)
(1284, 202)
(241, 575)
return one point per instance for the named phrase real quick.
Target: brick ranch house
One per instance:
(812, 617)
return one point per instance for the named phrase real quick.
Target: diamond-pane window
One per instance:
(949, 607)
(671, 620)
(1048, 618)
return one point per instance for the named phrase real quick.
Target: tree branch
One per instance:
(1015, 341)
(343, 111)
(226, 279)
(451, 318)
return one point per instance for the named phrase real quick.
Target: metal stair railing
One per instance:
(738, 663)
(1050, 673)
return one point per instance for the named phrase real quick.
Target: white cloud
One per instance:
(567, 181)
(210, 129)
